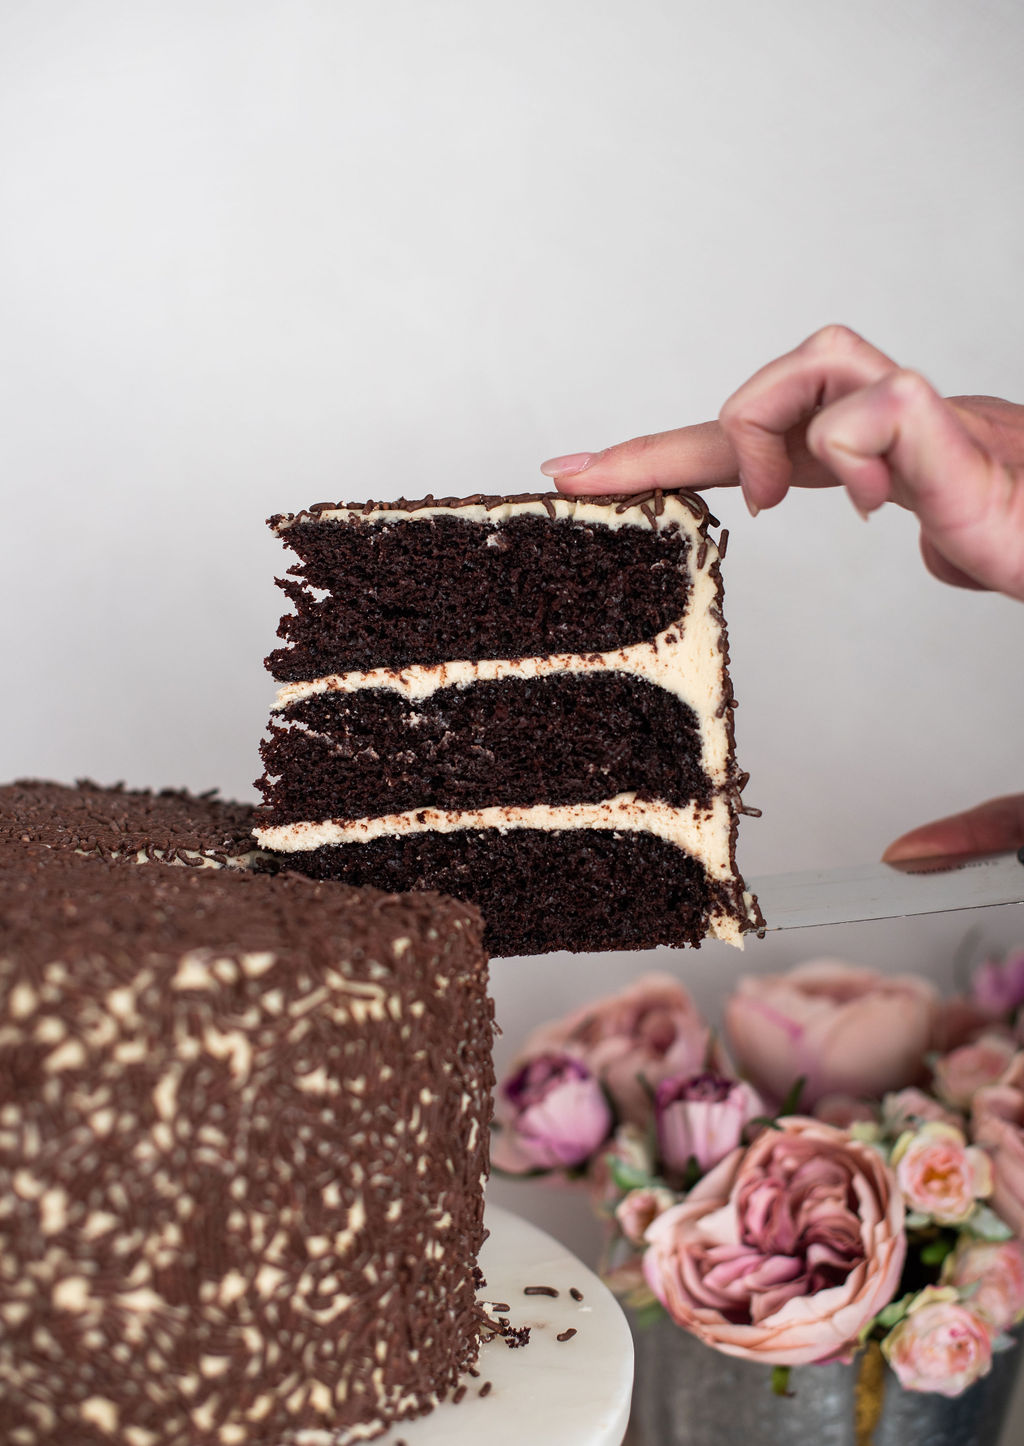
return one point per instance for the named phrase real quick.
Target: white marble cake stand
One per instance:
(550, 1392)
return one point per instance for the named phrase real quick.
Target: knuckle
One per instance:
(834, 338)
(909, 387)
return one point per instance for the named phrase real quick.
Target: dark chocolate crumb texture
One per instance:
(243, 1133)
(517, 700)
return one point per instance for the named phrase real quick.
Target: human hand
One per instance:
(989, 828)
(836, 411)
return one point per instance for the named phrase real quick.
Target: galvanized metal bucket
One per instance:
(689, 1395)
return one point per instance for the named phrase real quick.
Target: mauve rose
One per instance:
(939, 1174)
(702, 1117)
(785, 1250)
(997, 1122)
(957, 1021)
(649, 1031)
(552, 1115)
(637, 1211)
(992, 1272)
(961, 1073)
(939, 1346)
(998, 987)
(906, 1109)
(845, 1030)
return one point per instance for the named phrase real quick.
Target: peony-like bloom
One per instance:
(645, 1033)
(552, 1115)
(702, 1117)
(785, 1250)
(939, 1174)
(637, 1211)
(939, 1346)
(993, 1274)
(997, 1122)
(845, 1030)
(960, 1074)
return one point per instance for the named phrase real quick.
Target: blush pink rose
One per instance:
(702, 1117)
(551, 1114)
(992, 1272)
(645, 1033)
(961, 1073)
(939, 1346)
(939, 1174)
(845, 1030)
(997, 1123)
(785, 1250)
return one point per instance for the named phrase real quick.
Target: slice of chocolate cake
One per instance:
(126, 824)
(520, 701)
(243, 1134)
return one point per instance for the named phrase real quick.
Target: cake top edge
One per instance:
(636, 508)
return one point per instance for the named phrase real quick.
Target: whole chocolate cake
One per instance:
(523, 702)
(243, 1135)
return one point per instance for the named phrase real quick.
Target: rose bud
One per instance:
(552, 1115)
(939, 1174)
(939, 1346)
(701, 1117)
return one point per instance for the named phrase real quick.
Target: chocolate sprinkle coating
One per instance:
(243, 1129)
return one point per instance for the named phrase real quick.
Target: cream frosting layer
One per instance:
(636, 514)
(704, 831)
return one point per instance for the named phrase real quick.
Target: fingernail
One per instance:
(567, 466)
(861, 512)
(752, 506)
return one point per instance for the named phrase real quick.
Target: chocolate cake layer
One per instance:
(243, 1130)
(406, 591)
(541, 890)
(562, 739)
(123, 823)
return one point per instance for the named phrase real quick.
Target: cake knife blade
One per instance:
(889, 891)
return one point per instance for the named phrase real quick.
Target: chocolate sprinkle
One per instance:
(540, 1290)
(485, 1389)
(566, 1335)
(576, 1294)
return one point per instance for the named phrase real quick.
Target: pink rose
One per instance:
(993, 1275)
(957, 1021)
(939, 1346)
(960, 1074)
(702, 1117)
(939, 1174)
(845, 1030)
(786, 1250)
(906, 1109)
(997, 1122)
(552, 1115)
(648, 1031)
(637, 1211)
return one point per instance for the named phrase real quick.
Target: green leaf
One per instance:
(791, 1104)
(893, 1312)
(628, 1177)
(986, 1225)
(780, 1381)
(935, 1252)
(1003, 1342)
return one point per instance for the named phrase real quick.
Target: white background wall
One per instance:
(255, 255)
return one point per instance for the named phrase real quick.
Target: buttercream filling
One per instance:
(672, 511)
(701, 830)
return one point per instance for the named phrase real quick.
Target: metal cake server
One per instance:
(889, 891)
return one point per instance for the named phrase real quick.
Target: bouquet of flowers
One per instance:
(844, 1172)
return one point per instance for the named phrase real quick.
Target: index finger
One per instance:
(695, 457)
